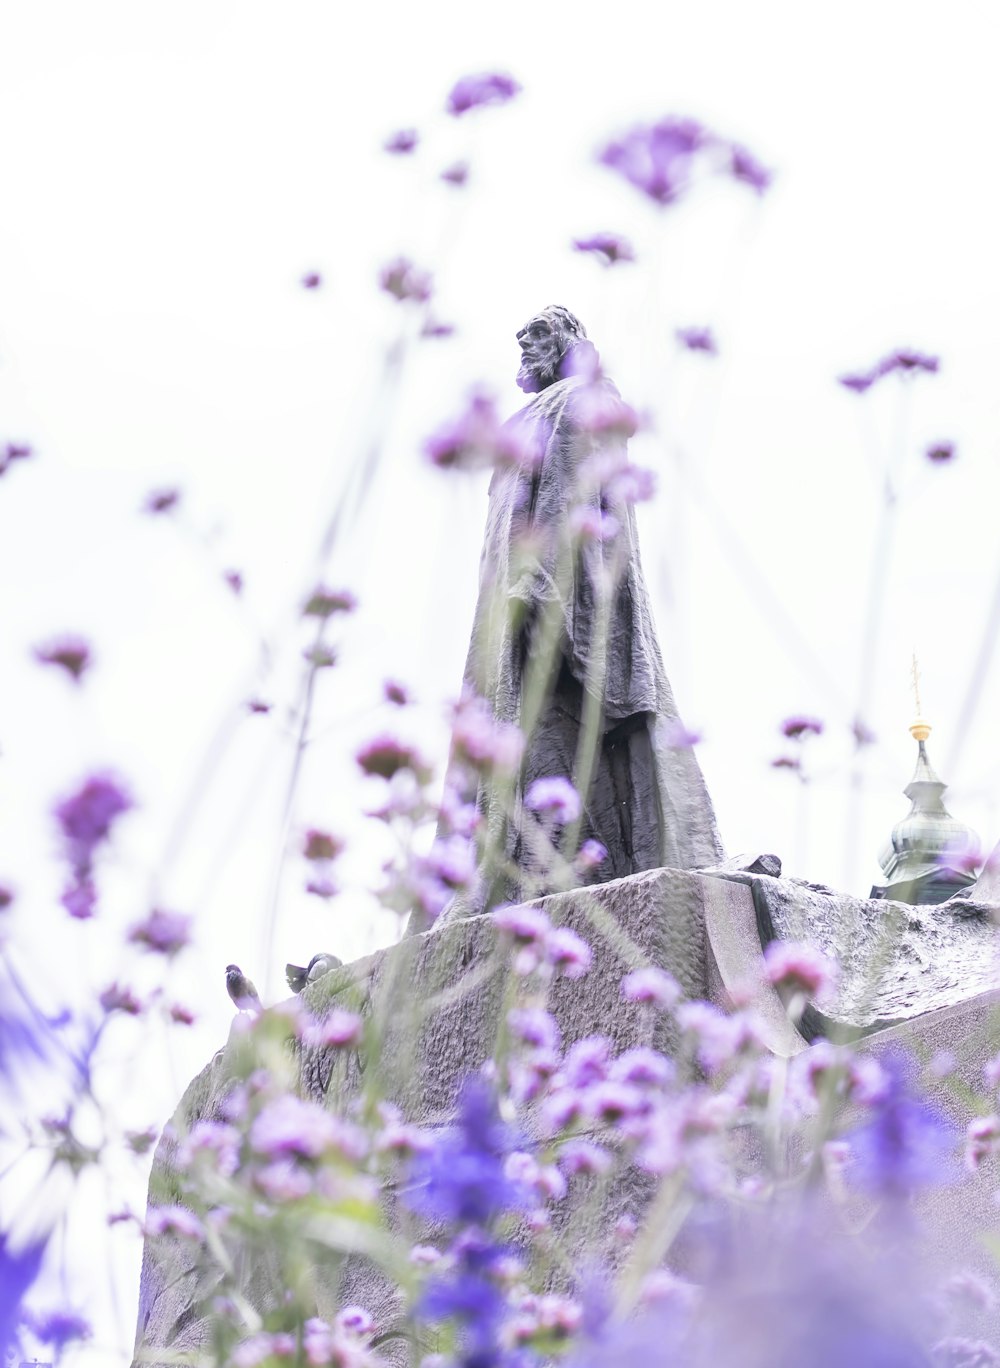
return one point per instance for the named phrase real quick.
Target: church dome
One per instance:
(928, 840)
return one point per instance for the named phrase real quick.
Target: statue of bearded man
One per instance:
(563, 646)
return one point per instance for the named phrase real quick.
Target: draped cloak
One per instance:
(647, 803)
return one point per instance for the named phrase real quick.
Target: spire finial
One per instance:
(919, 728)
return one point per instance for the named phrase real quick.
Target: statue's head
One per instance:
(550, 343)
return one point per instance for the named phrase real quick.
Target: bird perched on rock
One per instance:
(298, 975)
(241, 990)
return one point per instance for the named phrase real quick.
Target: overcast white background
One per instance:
(169, 172)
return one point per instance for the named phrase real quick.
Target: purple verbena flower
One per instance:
(982, 1140)
(587, 1062)
(743, 166)
(312, 280)
(87, 816)
(483, 742)
(79, 898)
(554, 796)
(173, 1220)
(487, 88)
(462, 1179)
(395, 693)
(322, 887)
(697, 340)
(590, 855)
(798, 968)
(583, 1156)
(324, 603)
(609, 248)
(321, 845)
(405, 281)
(907, 1145)
(402, 142)
(162, 501)
(651, 985)
(386, 757)
(535, 1027)
(165, 933)
(293, 1126)
(116, 998)
(568, 953)
(59, 1328)
(18, 451)
(657, 158)
(70, 653)
(479, 440)
(857, 383)
(797, 728)
(341, 1028)
(642, 1067)
(940, 452)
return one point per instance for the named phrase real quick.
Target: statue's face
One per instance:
(542, 349)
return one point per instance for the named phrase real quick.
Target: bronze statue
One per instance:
(563, 643)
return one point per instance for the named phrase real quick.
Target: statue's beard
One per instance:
(539, 368)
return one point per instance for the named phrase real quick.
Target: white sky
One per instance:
(169, 172)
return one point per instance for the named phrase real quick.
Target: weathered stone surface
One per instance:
(705, 928)
(896, 960)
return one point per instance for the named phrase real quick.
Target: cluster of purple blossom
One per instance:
(665, 159)
(905, 363)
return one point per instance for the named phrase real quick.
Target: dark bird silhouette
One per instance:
(299, 975)
(241, 990)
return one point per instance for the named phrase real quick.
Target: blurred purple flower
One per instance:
(524, 925)
(181, 1015)
(259, 705)
(678, 737)
(554, 796)
(324, 603)
(395, 693)
(70, 653)
(293, 1126)
(234, 579)
(386, 757)
(320, 656)
(433, 327)
(657, 158)
(534, 1027)
(87, 816)
(17, 1272)
(322, 887)
(859, 383)
(797, 728)
(651, 985)
(591, 854)
(746, 168)
(404, 281)
(18, 451)
(173, 1220)
(59, 1328)
(586, 1062)
(481, 741)
(609, 248)
(162, 932)
(79, 898)
(338, 1029)
(402, 142)
(461, 1179)
(6, 897)
(162, 501)
(457, 174)
(479, 440)
(312, 280)
(789, 762)
(321, 845)
(798, 968)
(697, 340)
(487, 88)
(118, 999)
(939, 452)
(908, 1144)
(568, 953)
(982, 1140)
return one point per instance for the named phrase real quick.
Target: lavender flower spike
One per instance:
(488, 88)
